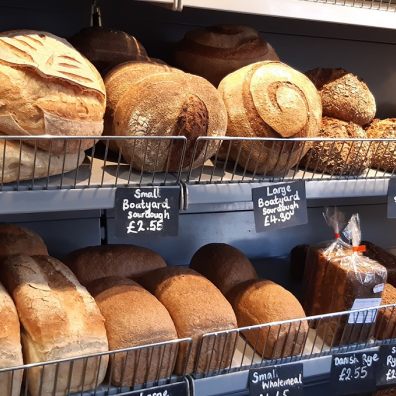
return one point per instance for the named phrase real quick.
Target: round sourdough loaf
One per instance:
(47, 87)
(339, 157)
(106, 48)
(262, 301)
(270, 100)
(383, 154)
(344, 95)
(216, 51)
(169, 104)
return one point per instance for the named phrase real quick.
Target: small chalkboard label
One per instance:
(176, 389)
(386, 369)
(354, 373)
(279, 205)
(285, 380)
(147, 210)
(392, 198)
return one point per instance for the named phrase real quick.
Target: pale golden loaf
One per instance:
(48, 87)
(134, 317)
(339, 157)
(196, 307)
(59, 320)
(10, 346)
(215, 51)
(344, 95)
(262, 301)
(270, 99)
(224, 265)
(129, 261)
(169, 104)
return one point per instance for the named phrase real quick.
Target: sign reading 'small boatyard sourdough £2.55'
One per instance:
(279, 206)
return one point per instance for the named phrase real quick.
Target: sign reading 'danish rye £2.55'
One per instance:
(147, 210)
(280, 205)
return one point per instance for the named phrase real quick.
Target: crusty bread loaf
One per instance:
(262, 301)
(106, 48)
(383, 154)
(169, 104)
(95, 262)
(224, 265)
(15, 239)
(59, 320)
(215, 51)
(134, 317)
(385, 327)
(196, 307)
(47, 87)
(344, 95)
(10, 346)
(23, 162)
(350, 158)
(270, 99)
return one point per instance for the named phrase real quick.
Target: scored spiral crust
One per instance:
(337, 157)
(270, 99)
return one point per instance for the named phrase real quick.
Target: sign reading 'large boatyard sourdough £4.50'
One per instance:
(279, 205)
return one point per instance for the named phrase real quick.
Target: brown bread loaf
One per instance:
(215, 51)
(196, 307)
(270, 99)
(344, 95)
(15, 239)
(385, 327)
(339, 157)
(95, 262)
(106, 48)
(47, 87)
(262, 301)
(59, 320)
(169, 104)
(134, 317)
(383, 154)
(224, 265)
(10, 346)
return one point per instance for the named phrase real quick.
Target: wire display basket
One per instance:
(381, 5)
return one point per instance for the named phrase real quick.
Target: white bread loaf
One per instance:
(10, 346)
(47, 87)
(59, 320)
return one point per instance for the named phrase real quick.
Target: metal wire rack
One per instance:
(126, 370)
(299, 339)
(381, 5)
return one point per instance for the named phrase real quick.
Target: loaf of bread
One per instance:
(215, 51)
(270, 99)
(344, 95)
(134, 317)
(169, 104)
(95, 262)
(59, 320)
(262, 301)
(10, 346)
(383, 154)
(15, 240)
(106, 48)
(350, 158)
(385, 327)
(47, 87)
(224, 265)
(197, 307)
(23, 162)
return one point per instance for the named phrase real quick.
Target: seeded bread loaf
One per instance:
(224, 265)
(196, 307)
(386, 318)
(95, 262)
(134, 317)
(59, 320)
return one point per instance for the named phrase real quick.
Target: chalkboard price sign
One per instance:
(279, 206)
(147, 210)
(354, 373)
(285, 380)
(176, 389)
(386, 369)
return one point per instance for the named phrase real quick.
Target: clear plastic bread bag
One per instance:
(317, 260)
